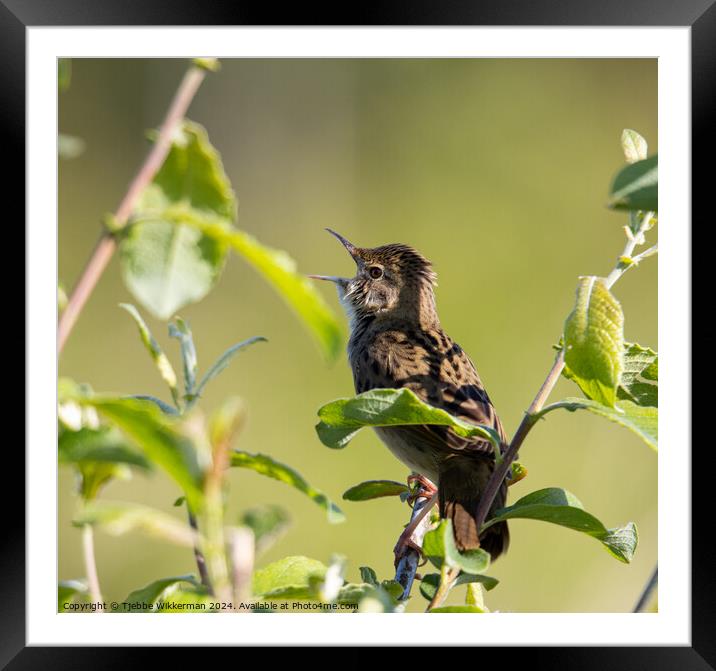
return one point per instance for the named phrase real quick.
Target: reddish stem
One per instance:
(107, 244)
(523, 429)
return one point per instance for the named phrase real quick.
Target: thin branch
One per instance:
(625, 260)
(509, 455)
(447, 577)
(648, 592)
(199, 556)
(529, 420)
(90, 564)
(215, 537)
(107, 244)
(646, 254)
(408, 564)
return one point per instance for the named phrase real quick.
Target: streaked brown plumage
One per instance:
(396, 341)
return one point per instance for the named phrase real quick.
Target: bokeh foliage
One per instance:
(459, 159)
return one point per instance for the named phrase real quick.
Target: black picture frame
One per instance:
(699, 15)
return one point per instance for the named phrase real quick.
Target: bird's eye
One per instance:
(375, 272)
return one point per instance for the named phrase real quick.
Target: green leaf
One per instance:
(643, 421)
(439, 547)
(354, 593)
(475, 597)
(181, 331)
(342, 419)
(155, 351)
(104, 444)
(156, 591)
(68, 391)
(268, 522)
(289, 578)
(594, 341)
(518, 472)
(118, 518)
(622, 541)
(393, 589)
(99, 455)
(158, 439)
(265, 465)
(224, 360)
(640, 378)
(385, 594)
(165, 263)
(71, 591)
(95, 475)
(430, 582)
(368, 575)
(633, 145)
(639, 381)
(279, 270)
(457, 609)
(559, 506)
(374, 489)
(636, 186)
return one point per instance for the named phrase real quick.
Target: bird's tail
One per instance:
(461, 482)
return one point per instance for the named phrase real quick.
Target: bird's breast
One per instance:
(416, 456)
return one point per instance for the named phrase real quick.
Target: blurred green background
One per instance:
(497, 170)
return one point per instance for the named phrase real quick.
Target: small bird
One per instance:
(396, 341)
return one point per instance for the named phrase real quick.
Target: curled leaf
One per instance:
(155, 351)
(594, 340)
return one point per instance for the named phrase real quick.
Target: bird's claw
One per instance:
(402, 547)
(420, 488)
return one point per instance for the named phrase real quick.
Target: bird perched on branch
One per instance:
(396, 341)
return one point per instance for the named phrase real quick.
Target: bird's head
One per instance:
(391, 280)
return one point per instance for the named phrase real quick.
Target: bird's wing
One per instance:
(440, 373)
(463, 395)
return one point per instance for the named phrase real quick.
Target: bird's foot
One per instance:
(420, 487)
(406, 542)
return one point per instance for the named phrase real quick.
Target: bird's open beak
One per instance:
(341, 282)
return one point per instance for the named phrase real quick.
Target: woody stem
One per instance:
(447, 577)
(532, 414)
